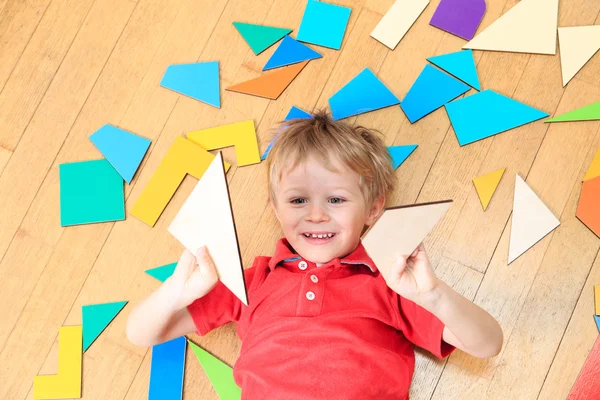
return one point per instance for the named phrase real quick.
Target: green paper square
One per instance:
(90, 191)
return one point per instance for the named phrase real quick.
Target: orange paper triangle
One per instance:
(270, 85)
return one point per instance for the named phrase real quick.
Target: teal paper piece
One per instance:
(461, 65)
(96, 318)
(400, 154)
(324, 24)
(597, 318)
(163, 272)
(260, 37)
(200, 81)
(290, 52)
(294, 113)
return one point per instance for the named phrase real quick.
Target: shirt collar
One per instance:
(285, 253)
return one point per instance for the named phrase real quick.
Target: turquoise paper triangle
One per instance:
(162, 273)
(460, 65)
(199, 81)
(364, 93)
(400, 154)
(597, 318)
(488, 113)
(123, 150)
(260, 37)
(96, 318)
(294, 113)
(289, 52)
(432, 89)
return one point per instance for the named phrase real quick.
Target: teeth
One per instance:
(319, 236)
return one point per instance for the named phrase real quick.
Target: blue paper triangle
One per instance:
(400, 154)
(364, 93)
(123, 150)
(289, 52)
(432, 89)
(96, 318)
(488, 113)
(199, 81)
(460, 65)
(163, 272)
(294, 113)
(597, 318)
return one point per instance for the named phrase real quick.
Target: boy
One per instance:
(323, 322)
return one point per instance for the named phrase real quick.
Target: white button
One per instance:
(310, 295)
(302, 265)
(314, 278)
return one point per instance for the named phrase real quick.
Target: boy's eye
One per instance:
(336, 200)
(298, 201)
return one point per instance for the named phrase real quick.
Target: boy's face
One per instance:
(313, 201)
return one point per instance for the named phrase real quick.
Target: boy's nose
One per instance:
(316, 213)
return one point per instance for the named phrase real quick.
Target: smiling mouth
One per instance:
(318, 235)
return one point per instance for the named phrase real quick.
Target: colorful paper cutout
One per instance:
(260, 37)
(397, 21)
(206, 219)
(324, 24)
(597, 319)
(460, 64)
(486, 114)
(163, 272)
(90, 192)
(594, 169)
(294, 113)
(591, 112)
(96, 318)
(597, 299)
(459, 17)
(587, 385)
(531, 220)
(219, 374)
(400, 154)
(577, 45)
(432, 89)
(200, 81)
(528, 27)
(270, 85)
(588, 209)
(289, 52)
(364, 93)
(184, 157)
(486, 186)
(123, 150)
(240, 134)
(67, 383)
(166, 370)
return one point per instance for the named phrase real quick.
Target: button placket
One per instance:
(302, 265)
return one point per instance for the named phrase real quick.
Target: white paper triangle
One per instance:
(206, 219)
(577, 45)
(397, 21)
(531, 220)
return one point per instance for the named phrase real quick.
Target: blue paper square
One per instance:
(324, 24)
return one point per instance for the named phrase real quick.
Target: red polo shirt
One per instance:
(331, 332)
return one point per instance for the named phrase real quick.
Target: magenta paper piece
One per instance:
(459, 17)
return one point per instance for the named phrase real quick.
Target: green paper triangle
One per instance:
(219, 373)
(590, 112)
(260, 37)
(162, 273)
(96, 318)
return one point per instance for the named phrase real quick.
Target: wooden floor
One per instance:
(67, 67)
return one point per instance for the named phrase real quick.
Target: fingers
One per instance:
(206, 264)
(186, 263)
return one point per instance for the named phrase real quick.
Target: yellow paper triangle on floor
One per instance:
(529, 27)
(577, 45)
(486, 186)
(594, 169)
(206, 219)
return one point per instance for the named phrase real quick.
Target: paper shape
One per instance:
(241, 135)
(588, 209)
(123, 150)
(270, 85)
(206, 219)
(459, 17)
(200, 81)
(460, 64)
(591, 112)
(260, 37)
(294, 113)
(531, 220)
(96, 318)
(364, 93)
(597, 299)
(432, 89)
(289, 52)
(400, 154)
(594, 169)
(166, 370)
(528, 27)
(577, 45)
(397, 21)
(597, 319)
(400, 230)
(324, 24)
(486, 186)
(587, 385)
(219, 373)
(486, 114)
(90, 192)
(67, 383)
(184, 157)
(163, 272)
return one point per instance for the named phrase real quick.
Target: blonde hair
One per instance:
(359, 148)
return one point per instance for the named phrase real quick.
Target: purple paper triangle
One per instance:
(459, 17)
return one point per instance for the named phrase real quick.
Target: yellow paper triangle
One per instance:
(486, 186)
(594, 169)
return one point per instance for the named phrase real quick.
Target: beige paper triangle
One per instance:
(397, 21)
(577, 45)
(486, 186)
(531, 220)
(206, 219)
(528, 27)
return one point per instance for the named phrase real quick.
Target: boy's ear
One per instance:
(376, 210)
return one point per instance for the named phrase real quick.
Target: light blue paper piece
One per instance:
(432, 89)
(486, 114)
(324, 24)
(294, 113)
(597, 318)
(400, 154)
(199, 81)
(289, 52)
(163, 272)
(364, 93)
(460, 64)
(123, 150)
(166, 370)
